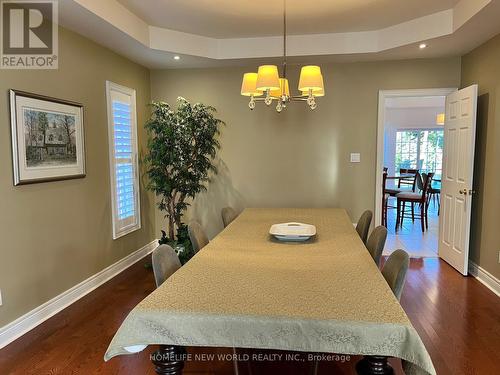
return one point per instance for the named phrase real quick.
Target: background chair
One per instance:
(435, 194)
(228, 215)
(386, 194)
(197, 236)
(165, 263)
(412, 198)
(376, 243)
(364, 225)
(395, 269)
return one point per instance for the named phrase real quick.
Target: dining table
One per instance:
(246, 289)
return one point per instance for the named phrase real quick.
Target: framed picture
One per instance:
(47, 138)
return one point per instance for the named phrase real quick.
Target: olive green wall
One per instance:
(56, 234)
(299, 157)
(482, 66)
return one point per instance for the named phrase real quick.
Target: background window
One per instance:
(122, 126)
(420, 149)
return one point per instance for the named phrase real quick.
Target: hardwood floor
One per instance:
(457, 318)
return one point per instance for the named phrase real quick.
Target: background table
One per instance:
(248, 290)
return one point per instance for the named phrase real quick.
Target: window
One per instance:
(122, 131)
(420, 149)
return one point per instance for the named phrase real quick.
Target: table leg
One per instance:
(374, 365)
(169, 360)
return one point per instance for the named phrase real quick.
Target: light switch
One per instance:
(355, 157)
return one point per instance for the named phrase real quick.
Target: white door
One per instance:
(458, 167)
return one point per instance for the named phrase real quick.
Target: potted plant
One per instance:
(182, 145)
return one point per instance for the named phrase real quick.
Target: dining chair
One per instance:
(419, 187)
(435, 195)
(228, 215)
(395, 269)
(376, 243)
(386, 194)
(364, 225)
(197, 236)
(391, 191)
(165, 263)
(414, 198)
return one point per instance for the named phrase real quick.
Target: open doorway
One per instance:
(410, 153)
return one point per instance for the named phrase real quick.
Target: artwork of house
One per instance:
(49, 138)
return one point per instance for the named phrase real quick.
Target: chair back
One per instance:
(426, 185)
(394, 271)
(197, 236)
(364, 225)
(228, 215)
(420, 184)
(410, 181)
(165, 263)
(376, 243)
(384, 180)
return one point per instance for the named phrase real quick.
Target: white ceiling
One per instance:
(210, 33)
(256, 18)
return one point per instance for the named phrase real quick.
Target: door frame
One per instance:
(382, 96)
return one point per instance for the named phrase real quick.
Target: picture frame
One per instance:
(48, 138)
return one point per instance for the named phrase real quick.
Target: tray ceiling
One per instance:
(211, 33)
(254, 18)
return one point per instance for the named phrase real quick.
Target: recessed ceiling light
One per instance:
(422, 45)
(177, 57)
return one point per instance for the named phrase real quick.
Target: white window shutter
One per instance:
(122, 130)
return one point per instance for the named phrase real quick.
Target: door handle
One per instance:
(464, 192)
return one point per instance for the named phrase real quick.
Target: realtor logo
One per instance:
(29, 35)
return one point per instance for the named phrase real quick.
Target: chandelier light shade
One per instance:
(317, 92)
(284, 89)
(440, 119)
(267, 82)
(310, 78)
(268, 78)
(249, 85)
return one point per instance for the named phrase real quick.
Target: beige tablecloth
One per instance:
(246, 289)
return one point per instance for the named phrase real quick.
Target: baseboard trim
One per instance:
(486, 278)
(33, 318)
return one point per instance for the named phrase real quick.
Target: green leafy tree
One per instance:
(182, 145)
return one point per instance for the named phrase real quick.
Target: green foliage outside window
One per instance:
(419, 149)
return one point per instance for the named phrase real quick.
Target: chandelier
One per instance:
(266, 85)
